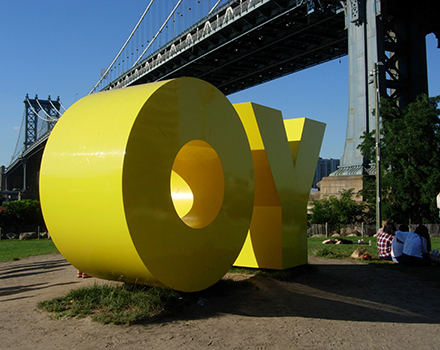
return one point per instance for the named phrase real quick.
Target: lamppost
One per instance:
(375, 73)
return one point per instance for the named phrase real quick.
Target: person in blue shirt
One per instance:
(413, 248)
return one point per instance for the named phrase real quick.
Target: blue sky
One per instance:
(58, 48)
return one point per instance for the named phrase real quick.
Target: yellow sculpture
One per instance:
(114, 171)
(285, 153)
(154, 184)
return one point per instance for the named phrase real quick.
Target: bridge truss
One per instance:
(39, 118)
(51, 114)
(245, 43)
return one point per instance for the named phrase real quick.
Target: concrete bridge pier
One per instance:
(391, 34)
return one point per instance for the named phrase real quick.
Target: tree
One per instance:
(410, 159)
(339, 211)
(21, 213)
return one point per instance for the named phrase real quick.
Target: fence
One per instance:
(361, 230)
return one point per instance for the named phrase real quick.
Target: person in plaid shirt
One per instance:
(384, 240)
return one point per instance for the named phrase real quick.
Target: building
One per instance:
(324, 168)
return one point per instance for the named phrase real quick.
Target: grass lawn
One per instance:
(344, 251)
(14, 249)
(340, 251)
(116, 304)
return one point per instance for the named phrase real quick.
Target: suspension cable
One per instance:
(18, 138)
(59, 113)
(52, 119)
(157, 34)
(36, 113)
(123, 47)
(150, 43)
(214, 7)
(65, 109)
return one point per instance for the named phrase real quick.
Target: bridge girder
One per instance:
(241, 54)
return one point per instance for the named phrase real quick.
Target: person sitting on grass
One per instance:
(398, 242)
(338, 241)
(384, 240)
(381, 229)
(416, 248)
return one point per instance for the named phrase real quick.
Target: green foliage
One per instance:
(14, 249)
(368, 193)
(410, 159)
(115, 304)
(339, 211)
(368, 145)
(21, 213)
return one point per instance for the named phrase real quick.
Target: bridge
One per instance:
(242, 44)
(39, 118)
(237, 44)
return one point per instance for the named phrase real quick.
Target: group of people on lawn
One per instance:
(404, 247)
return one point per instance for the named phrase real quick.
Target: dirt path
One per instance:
(341, 305)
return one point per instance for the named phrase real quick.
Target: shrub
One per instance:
(339, 211)
(20, 214)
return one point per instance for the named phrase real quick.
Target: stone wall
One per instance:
(333, 185)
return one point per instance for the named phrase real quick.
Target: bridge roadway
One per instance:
(22, 175)
(246, 43)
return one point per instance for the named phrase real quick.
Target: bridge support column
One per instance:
(24, 176)
(391, 34)
(361, 22)
(2, 178)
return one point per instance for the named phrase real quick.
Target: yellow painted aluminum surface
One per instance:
(285, 153)
(150, 184)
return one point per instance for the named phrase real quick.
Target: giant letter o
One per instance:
(112, 165)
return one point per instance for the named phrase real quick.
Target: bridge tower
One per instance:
(391, 35)
(20, 179)
(387, 58)
(32, 107)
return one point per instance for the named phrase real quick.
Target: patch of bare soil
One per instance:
(332, 304)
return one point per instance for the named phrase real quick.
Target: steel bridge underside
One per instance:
(273, 40)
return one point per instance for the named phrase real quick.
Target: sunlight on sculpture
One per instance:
(154, 184)
(285, 153)
(106, 189)
(197, 184)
